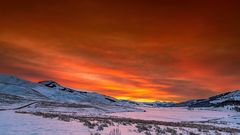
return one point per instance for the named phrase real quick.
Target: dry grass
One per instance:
(46, 104)
(142, 125)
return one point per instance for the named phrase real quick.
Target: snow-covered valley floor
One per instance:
(155, 121)
(221, 116)
(12, 123)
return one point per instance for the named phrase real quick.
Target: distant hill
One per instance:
(224, 99)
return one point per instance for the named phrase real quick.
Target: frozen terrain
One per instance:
(19, 124)
(157, 121)
(24, 124)
(218, 116)
(46, 108)
(177, 114)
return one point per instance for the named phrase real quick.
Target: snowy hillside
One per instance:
(48, 90)
(14, 86)
(45, 94)
(229, 96)
(57, 92)
(224, 99)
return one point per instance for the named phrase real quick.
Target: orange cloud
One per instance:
(168, 51)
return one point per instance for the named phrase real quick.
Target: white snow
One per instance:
(222, 116)
(175, 114)
(12, 123)
(22, 124)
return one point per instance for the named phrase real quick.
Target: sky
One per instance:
(142, 50)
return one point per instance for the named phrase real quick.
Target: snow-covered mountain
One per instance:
(228, 98)
(14, 86)
(51, 90)
(48, 90)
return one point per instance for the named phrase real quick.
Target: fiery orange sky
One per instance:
(143, 50)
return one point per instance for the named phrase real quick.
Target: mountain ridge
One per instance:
(223, 99)
(51, 90)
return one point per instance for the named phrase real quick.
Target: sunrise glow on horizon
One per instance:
(131, 49)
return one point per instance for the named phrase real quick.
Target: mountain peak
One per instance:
(55, 85)
(50, 83)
